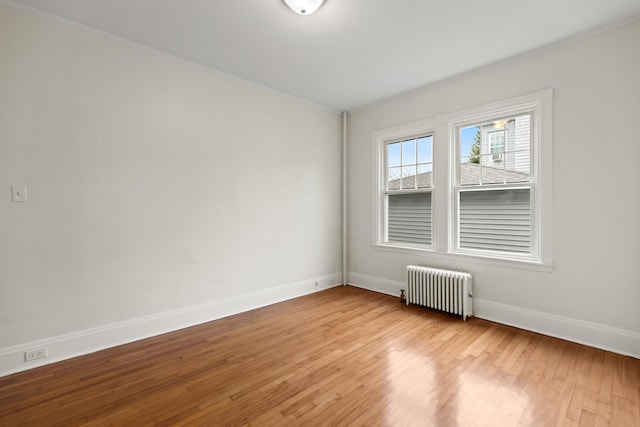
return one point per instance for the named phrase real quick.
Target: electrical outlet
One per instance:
(18, 193)
(38, 353)
(317, 284)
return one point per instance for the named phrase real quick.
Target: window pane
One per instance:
(409, 177)
(517, 164)
(503, 144)
(469, 173)
(410, 218)
(424, 177)
(393, 154)
(497, 220)
(496, 152)
(492, 170)
(425, 150)
(519, 140)
(393, 179)
(409, 152)
(470, 143)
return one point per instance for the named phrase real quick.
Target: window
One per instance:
(496, 141)
(404, 176)
(494, 196)
(409, 167)
(474, 184)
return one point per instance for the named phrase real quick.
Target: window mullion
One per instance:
(442, 186)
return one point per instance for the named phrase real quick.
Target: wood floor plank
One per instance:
(340, 357)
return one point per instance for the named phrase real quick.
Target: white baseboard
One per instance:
(88, 341)
(377, 284)
(588, 333)
(78, 343)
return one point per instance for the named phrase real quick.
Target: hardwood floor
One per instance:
(340, 357)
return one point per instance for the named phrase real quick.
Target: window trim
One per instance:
(380, 192)
(538, 105)
(444, 216)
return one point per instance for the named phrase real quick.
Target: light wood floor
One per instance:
(340, 357)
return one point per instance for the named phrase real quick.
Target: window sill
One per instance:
(476, 259)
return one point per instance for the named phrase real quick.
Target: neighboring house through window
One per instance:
(496, 141)
(475, 183)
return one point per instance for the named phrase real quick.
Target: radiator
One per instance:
(444, 290)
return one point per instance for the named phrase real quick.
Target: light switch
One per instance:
(18, 193)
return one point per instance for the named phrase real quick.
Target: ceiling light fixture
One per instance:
(304, 7)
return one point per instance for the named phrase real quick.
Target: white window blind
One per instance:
(410, 218)
(496, 220)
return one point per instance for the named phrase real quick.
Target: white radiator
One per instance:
(444, 290)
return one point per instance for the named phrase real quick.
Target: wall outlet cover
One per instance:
(18, 193)
(38, 353)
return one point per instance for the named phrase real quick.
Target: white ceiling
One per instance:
(351, 52)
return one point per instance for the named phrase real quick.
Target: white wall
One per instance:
(155, 186)
(163, 194)
(593, 295)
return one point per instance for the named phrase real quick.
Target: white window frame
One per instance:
(444, 196)
(381, 140)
